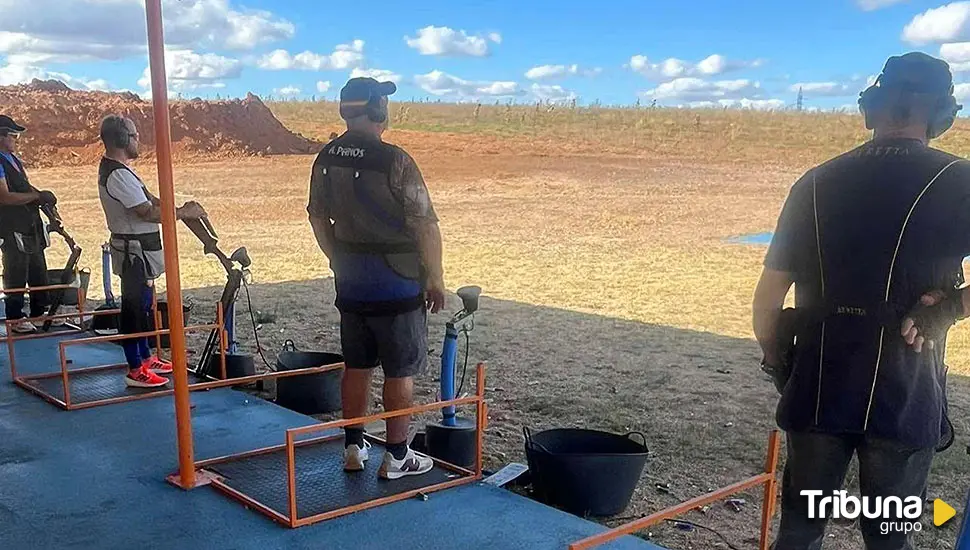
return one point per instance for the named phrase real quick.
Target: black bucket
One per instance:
(69, 294)
(308, 393)
(585, 472)
(163, 312)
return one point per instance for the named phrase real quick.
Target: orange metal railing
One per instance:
(211, 383)
(291, 518)
(767, 479)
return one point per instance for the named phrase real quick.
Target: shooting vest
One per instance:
(377, 265)
(882, 226)
(125, 247)
(21, 219)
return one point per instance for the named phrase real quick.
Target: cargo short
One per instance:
(398, 343)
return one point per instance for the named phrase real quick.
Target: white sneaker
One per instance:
(354, 457)
(413, 464)
(24, 327)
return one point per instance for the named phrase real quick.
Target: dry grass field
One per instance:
(612, 299)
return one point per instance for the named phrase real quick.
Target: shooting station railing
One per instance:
(35, 383)
(10, 336)
(291, 517)
(767, 479)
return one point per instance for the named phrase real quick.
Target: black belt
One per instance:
(150, 242)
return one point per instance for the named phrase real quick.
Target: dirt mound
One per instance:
(62, 125)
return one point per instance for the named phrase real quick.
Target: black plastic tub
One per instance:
(585, 472)
(308, 393)
(70, 294)
(163, 312)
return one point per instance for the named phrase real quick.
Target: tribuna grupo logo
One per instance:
(897, 514)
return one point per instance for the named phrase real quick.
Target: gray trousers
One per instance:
(818, 461)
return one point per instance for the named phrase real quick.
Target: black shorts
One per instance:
(398, 343)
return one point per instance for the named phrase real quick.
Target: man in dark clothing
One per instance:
(373, 218)
(873, 241)
(23, 231)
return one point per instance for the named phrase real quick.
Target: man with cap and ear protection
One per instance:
(22, 230)
(373, 218)
(873, 241)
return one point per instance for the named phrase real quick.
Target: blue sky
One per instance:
(707, 52)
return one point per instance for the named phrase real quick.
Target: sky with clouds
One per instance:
(750, 53)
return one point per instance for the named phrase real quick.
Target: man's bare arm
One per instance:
(769, 299)
(152, 212)
(9, 198)
(429, 244)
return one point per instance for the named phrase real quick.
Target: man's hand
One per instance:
(928, 322)
(191, 211)
(46, 197)
(435, 295)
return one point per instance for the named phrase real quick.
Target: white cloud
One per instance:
(673, 68)
(344, 56)
(962, 92)
(695, 89)
(823, 89)
(188, 70)
(70, 30)
(287, 90)
(444, 41)
(323, 86)
(21, 74)
(442, 84)
(377, 74)
(743, 103)
(548, 72)
(871, 5)
(552, 94)
(957, 54)
(949, 23)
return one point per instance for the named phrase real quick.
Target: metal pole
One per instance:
(163, 150)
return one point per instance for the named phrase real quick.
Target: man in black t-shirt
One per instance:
(873, 242)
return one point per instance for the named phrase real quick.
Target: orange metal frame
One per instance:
(11, 338)
(65, 373)
(767, 479)
(291, 518)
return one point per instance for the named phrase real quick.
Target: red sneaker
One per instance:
(144, 378)
(157, 365)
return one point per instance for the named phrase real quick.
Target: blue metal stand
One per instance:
(963, 539)
(109, 297)
(230, 324)
(449, 355)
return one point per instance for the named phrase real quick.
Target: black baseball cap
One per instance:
(7, 124)
(357, 92)
(917, 72)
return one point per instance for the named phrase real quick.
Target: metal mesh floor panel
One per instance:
(92, 386)
(321, 483)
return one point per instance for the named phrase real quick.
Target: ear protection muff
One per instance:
(376, 109)
(870, 99)
(944, 115)
(122, 139)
